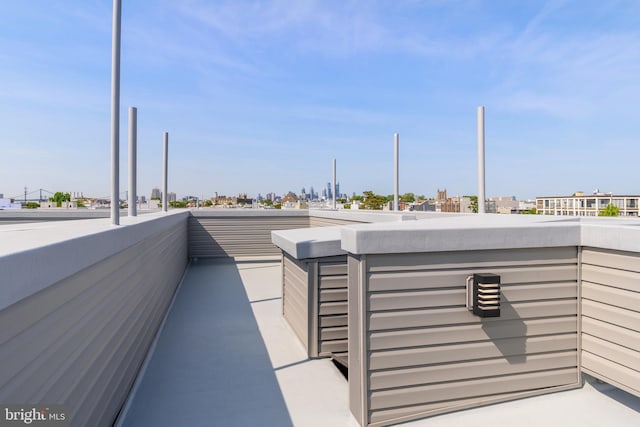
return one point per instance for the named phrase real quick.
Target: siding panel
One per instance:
(315, 221)
(423, 346)
(82, 340)
(611, 317)
(473, 369)
(457, 315)
(295, 297)
(332, 299)
(215, 237)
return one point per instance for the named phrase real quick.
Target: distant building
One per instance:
(329, 192)
(424, 206)
(582, 205)
(156, 194)
(7, 204)
(509, 205)
(446, 204)
(460, 204)
(63, 205)
(241, 201)
(171, 196)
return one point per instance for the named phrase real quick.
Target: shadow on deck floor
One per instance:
(210, 365)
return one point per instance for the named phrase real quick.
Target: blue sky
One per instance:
(260, 96)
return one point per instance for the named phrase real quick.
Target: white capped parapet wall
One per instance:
(570, 303)
(80, 303)
(237, 233)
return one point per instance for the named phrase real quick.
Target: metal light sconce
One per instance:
(483, 294)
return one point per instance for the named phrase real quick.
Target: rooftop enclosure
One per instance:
(81, 303)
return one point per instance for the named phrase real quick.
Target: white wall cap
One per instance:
(304, 243)
(36, 255)
(460, 234)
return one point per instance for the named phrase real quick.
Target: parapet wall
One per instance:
(82, 306)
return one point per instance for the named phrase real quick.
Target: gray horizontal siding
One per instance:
(295, 297)
(315, 221)
(428, 354)
(81, 341)
(239, 236)
(332, 306)
(611, 317)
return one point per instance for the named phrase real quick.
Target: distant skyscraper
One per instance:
(155, 193)
(337, 189)
(329, 191)
(171, 196)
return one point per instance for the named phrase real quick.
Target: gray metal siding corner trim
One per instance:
(358, 360)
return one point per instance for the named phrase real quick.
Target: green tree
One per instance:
(267, 202)
(277, 206)
(356, 198)
(609, 210)
(408, 197)
(372, 201)
(208, 203)
(421, 197)
(60, 197)
(178, 204)
(474, 203)
(32, 205)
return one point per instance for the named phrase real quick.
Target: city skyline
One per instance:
(256, 96)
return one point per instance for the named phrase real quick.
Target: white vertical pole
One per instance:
(334, 184)
(165, 172)
(481, 174)
(396, 171)
(115, 113)
(133, 172)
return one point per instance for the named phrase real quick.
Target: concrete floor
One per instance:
(227, 357)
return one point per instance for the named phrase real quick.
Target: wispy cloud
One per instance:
(330, 28)
(568, 74)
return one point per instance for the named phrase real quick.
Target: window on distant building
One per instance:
(591, 203)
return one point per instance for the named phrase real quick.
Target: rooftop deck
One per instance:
(225, 356)
(81, 303)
